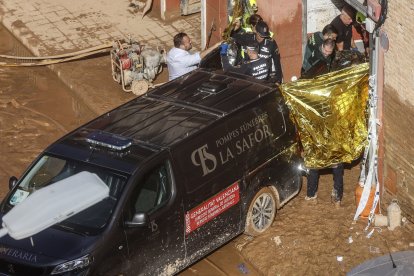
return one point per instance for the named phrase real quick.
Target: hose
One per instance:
(49, 61)
(100, 47)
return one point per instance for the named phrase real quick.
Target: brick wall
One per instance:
(398, 116)
(399, 67)
(399, 151)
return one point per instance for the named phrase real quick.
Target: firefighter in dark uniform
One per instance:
(255, 66)
(268, 48)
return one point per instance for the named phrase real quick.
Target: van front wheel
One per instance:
(261, 213)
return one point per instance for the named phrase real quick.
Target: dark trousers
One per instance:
(338, 178)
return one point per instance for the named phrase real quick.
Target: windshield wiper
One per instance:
(71, 229)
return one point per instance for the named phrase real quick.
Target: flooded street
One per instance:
(36, 108)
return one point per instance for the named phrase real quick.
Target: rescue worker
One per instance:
(252, 22)
(249, 26)
(253, 19)
(180, 61)
(316, 39)
(237, 27)
(268, 48)
(338, 186)
(310, 67)
(318, 60)
(343, 24)
(256, 66)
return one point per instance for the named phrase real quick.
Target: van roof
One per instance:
(164, 116)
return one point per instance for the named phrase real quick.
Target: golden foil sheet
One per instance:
(331, 115)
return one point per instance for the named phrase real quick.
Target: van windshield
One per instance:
(49, 169)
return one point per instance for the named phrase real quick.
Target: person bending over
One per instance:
(316, 39)
(318, 60)
(343, 23)
(268, 48)
(255, 66)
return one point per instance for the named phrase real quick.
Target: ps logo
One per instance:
(207, 161)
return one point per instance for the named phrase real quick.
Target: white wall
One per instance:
(321, 13)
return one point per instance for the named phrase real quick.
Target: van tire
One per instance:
(261, 213)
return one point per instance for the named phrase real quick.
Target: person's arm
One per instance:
(208, 50)
(276, 63)
(340, 46)
(226, 63)
(242, 38)
(305, 64)
(227, 67)
(340, 38)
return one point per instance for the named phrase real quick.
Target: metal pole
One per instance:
(304, 25)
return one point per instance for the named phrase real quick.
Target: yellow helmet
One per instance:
(253, 5)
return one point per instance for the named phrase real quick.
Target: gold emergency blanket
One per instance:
(331, 115)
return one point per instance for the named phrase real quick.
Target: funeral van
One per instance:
(188, 166)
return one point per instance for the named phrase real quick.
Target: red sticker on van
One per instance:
(211, 208)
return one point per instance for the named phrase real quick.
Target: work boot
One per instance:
(312, 199)
(337, 204)
(335, 199)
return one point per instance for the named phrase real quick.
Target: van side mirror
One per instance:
(12, 182)
(139, 219)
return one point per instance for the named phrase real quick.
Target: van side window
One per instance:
(154, 190)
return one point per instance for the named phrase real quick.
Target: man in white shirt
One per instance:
(179, 60)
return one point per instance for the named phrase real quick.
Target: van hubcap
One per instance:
(262, 212)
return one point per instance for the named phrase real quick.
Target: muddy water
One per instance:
(306, 238)
(35, 109)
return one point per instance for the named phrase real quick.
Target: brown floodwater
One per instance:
(36, 108)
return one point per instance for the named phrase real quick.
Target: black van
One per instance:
(190, 165)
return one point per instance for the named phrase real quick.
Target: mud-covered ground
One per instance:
(306, 238)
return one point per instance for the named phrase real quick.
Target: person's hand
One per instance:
(236, 24)
(223, 49)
